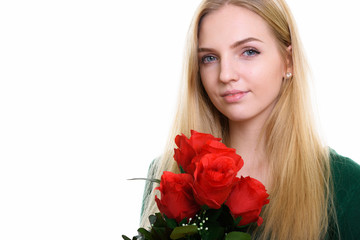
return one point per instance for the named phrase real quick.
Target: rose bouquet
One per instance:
(206, 200)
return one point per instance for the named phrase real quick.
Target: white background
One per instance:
(87, 94)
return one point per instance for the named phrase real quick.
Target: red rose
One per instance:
(198, 140)
(188, 149)
(184, 154)
(247, 199)
(216, 146)
(177, 200)
(219, 147)
(215, 176)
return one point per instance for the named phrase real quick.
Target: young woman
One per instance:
(245, 81)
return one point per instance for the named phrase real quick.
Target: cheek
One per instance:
(209, 80)
(267, 80)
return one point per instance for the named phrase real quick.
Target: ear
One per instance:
(289, 61)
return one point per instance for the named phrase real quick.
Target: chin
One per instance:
(257, 118)
(238, 118)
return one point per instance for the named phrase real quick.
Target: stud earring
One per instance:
(288, 75)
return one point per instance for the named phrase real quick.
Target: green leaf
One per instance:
(152, 219)
(237, 220)
(157, 220)
(184, 231)
(237, 236)
(160, 222)
(181, 169)
(214, 214)
(125, 237)
(184, 221)
(161, 233)
(146, 234)
(205, 207)
(146, 179)
(171, 223)
(214, 232)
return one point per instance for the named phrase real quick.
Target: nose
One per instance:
(228, 70)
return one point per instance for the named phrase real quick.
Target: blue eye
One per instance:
(251, 52)
(208, 59)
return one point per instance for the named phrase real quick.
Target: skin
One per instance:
(242, 70)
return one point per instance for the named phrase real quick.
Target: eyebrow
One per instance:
(234, 45)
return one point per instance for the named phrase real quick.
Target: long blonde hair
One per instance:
(300, 194)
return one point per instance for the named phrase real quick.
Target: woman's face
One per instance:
(241, 66)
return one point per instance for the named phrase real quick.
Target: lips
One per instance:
(233, 96)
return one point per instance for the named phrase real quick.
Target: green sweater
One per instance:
(346, 179)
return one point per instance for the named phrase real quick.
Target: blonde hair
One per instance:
(300, 193)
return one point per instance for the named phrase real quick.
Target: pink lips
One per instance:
(233, 96)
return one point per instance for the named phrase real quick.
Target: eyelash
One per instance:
(254, 52)
(247, 53)
(204, 61)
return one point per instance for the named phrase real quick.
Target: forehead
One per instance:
(232, 23)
